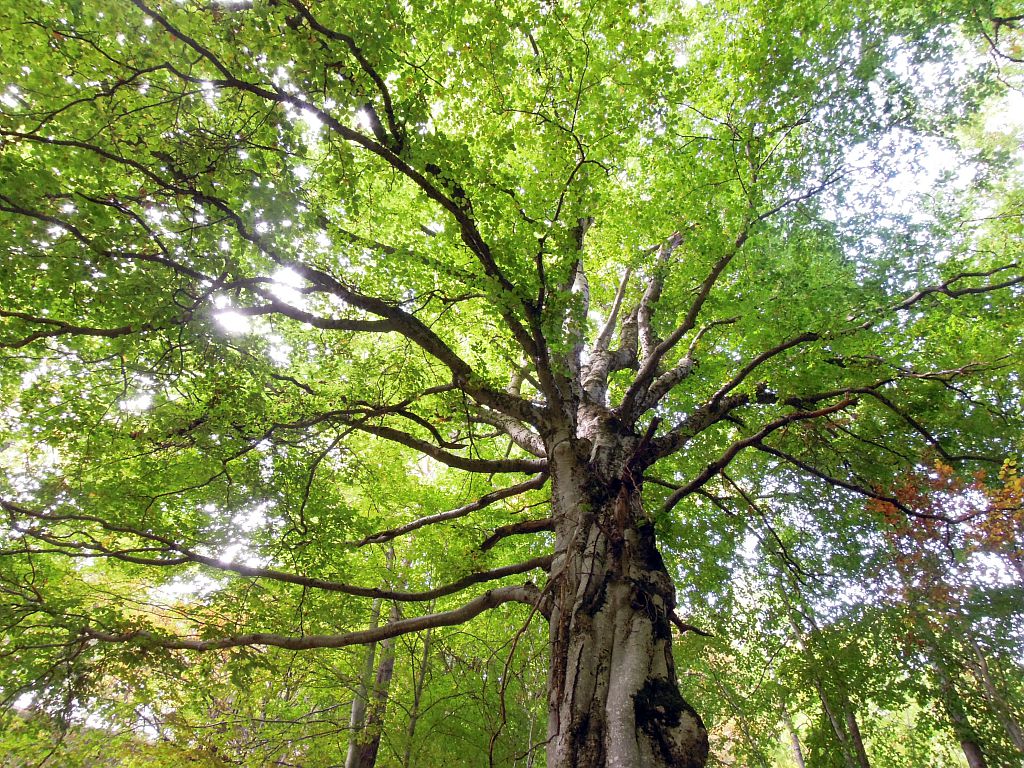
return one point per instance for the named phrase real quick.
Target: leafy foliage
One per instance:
(307, 304)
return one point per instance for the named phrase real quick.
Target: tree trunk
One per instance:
(997, 700)
(367, 740)
(357, 719)
(957, 714)
(839, 727)
(855, 738)
(370, 703)
(613, 696)
(741, 719)
(846, 730)
(794, 736)
(417, 697)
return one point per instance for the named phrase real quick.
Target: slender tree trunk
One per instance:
(854, 730)
(839, 727)
(357, 719)
(794, 737)
(417, 697)
(998, 702)
(613, 696)
(957, 714)
(367, 740)
(843, 717)
(371, 699)
(741, 719)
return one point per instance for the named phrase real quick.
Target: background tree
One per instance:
(505, 289)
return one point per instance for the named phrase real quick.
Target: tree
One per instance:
(287, 279)
(947, 598)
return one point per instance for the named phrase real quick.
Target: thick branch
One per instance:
(527, 593)
(519, 432)
(61, 328)
(706, 416)
(403, 322)
(749, 368)
(397, 134)
(185, 556)
(456, 207)
(946, 287)
(627, 409)
(469, 464)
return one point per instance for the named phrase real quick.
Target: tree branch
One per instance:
(484, 501)
(724, 460)
(185, 556)
(516, 529)
(627, 409)
(527, 593)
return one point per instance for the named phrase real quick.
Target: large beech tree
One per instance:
(502, 289)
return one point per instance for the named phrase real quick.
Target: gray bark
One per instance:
(357, 719)
(613, 698)
(365, 743)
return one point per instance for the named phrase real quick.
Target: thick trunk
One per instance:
(613, 697)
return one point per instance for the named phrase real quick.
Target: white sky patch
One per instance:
(233, 322)
(363, 120)
(141, 402)
(287, 289)
(311, 127)
(1008, 115)
(10, 97)
(899, 171)
(238, 552)
(427, 468)
(249, 520)
(279, 352)
(287, 276)
(209, 94)
(183, 589)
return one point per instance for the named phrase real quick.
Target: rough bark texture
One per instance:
(614, 700)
